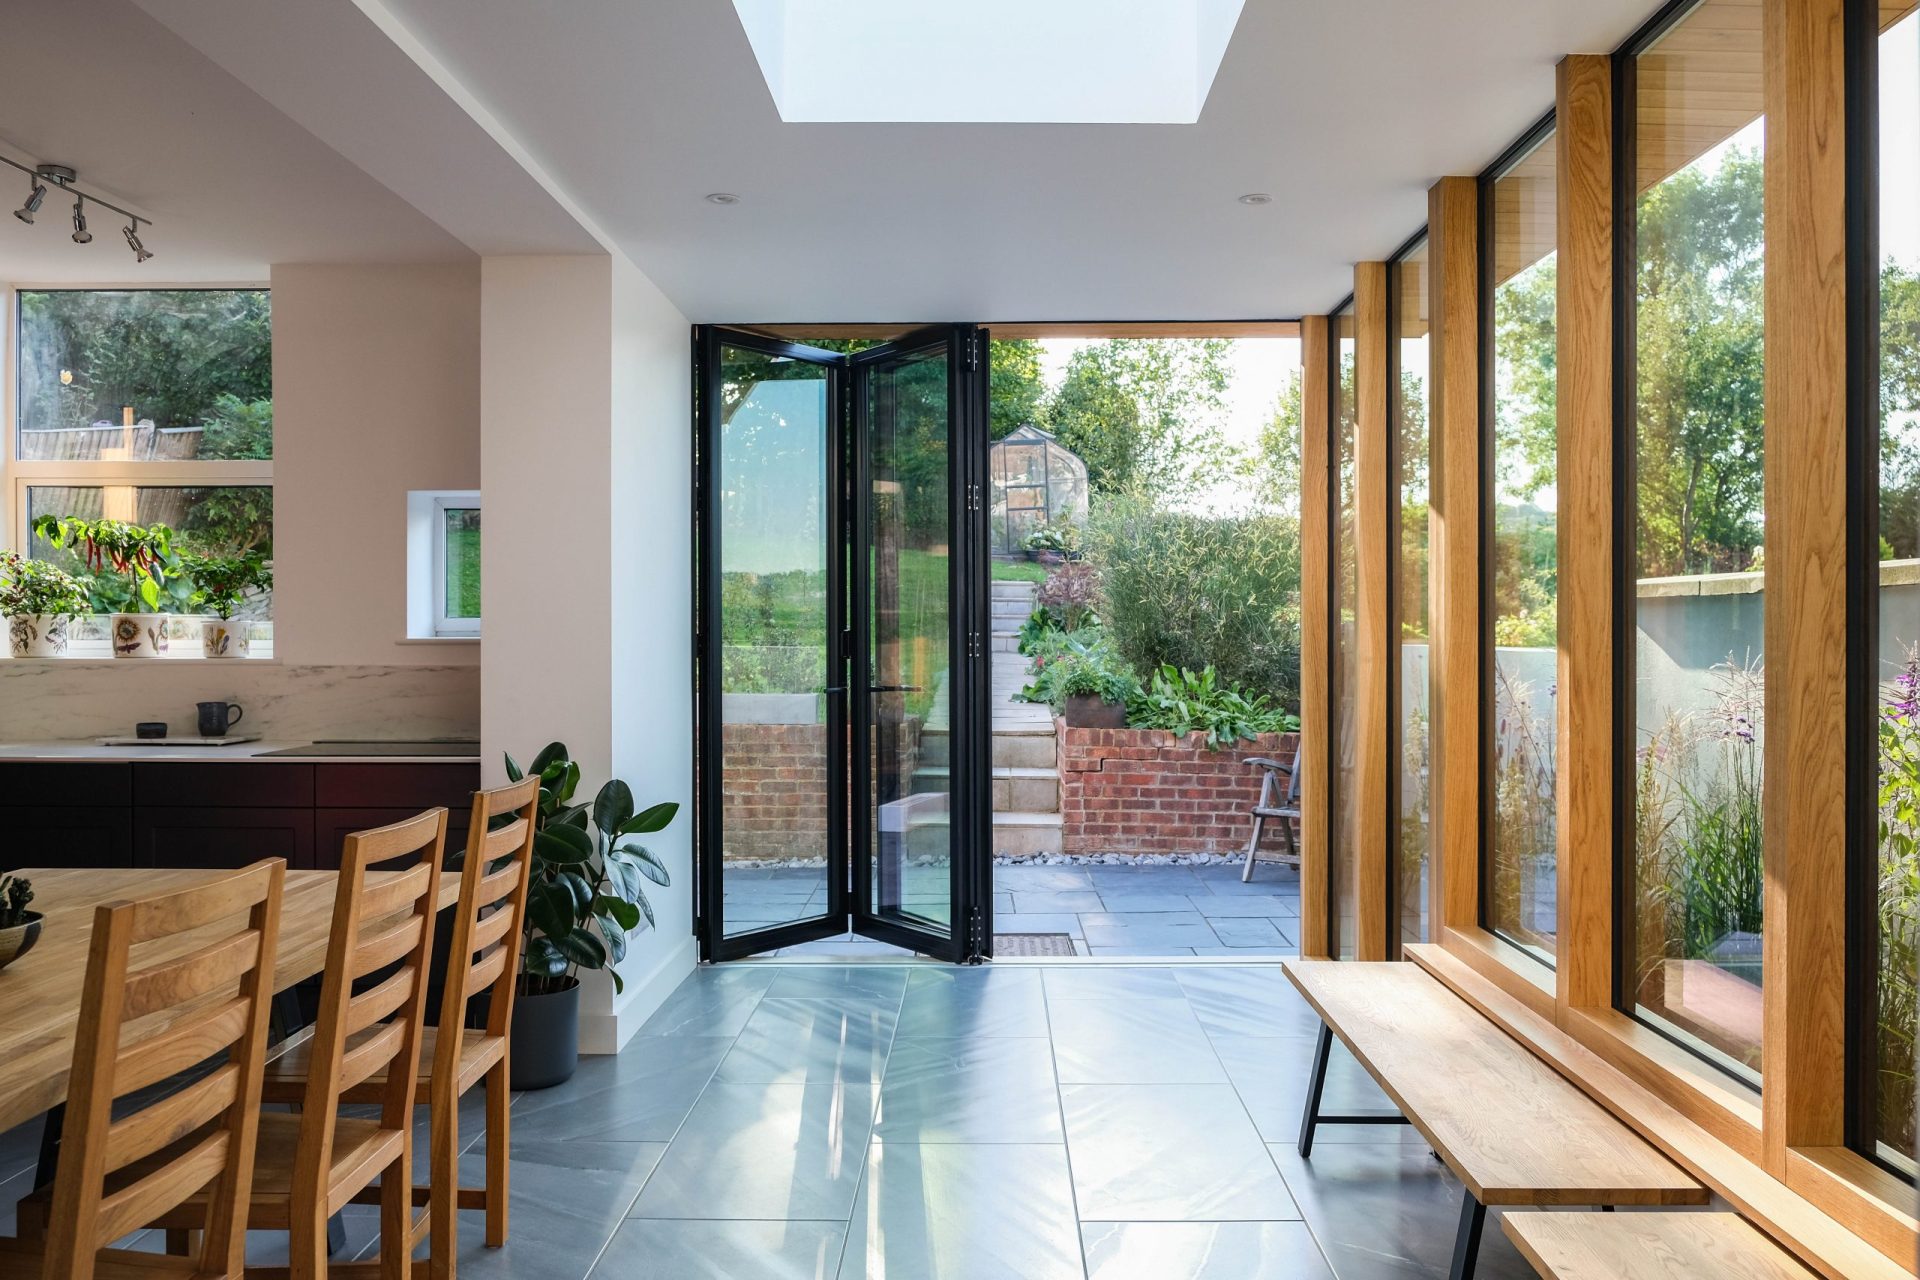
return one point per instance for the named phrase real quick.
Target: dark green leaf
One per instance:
(563, 844)
(574, 815)
(615, 936)
(613, 806)
(653, 818)
(627, 913)
(552, 753)
(514, 773)
(582, 948)
(580, 891)
(622, 874)
(570, 783)
(550, 909)
(640, 899)
(649, 866)
(543, 958)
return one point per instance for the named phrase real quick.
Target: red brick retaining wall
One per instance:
(1146, 791)
(775, 783)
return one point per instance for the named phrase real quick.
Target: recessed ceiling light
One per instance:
(722, 197)
(1256, 197)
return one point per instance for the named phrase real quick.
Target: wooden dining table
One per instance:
(40, 991)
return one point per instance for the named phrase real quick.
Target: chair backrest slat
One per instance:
(487, 934)
(365, 938)
(145, 1018)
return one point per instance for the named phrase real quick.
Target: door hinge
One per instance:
(973, 645)
(976, 935)
(973, 352)
(973, 496)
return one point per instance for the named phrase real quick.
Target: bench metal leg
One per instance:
(1466, 1245)
(1315, 1082)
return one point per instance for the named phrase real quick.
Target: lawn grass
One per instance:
(463, 573)
(1018, 571)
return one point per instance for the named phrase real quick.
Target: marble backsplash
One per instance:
(82, 700)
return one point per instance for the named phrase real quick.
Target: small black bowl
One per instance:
(150, 729)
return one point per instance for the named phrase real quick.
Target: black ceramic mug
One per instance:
(218, 717)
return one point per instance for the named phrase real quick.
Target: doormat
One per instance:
(1033, 944)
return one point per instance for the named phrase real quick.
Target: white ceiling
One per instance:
(357, 130)
(1345, 111)
(231, 184)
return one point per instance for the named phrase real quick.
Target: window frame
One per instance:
(1538, 134)
(426, 565)
(445, 625)
(23, 474)
(1396, 576)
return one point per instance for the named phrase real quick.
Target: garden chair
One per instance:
(1280, 800)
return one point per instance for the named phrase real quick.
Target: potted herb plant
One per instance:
(142, 554)
(585, 898)
(39, 600)
(1094, 696)
(221, 584)
(19, 927)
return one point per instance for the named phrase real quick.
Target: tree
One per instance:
(1146, 414)
(1276, 460)
(1018, 391)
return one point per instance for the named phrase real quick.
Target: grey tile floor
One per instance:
(1107, 909)
(920, 1122)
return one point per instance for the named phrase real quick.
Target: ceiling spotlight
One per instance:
(80, 233)
(132, 232)
(1256, 197)
(722, 197)
(26, 211)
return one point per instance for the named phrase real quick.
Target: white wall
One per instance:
(376, 389)
(584, 473)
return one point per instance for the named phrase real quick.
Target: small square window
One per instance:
(443, 564)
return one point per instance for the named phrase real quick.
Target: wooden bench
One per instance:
(1649, 1246)
(1510, 1128)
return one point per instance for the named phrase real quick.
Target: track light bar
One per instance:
(63, 177)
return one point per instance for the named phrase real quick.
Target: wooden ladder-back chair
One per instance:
(175, 981)
(484, 958)
(313, 1163)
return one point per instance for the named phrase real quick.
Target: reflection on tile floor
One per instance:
(812, 1121)
(1107, 909)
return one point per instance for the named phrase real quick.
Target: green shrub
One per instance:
(1078, 662)
(1183, 701)
(1193, 591)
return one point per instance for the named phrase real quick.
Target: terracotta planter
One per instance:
(38, 635)
(1090, 711)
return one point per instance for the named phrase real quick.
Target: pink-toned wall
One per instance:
(376, 390)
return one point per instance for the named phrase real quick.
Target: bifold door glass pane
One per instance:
(191, 369)
(222, 520)
(461, 554)
(1899, 641)
(1523, 856)
(911, 851)
(1699, 435)
(1412, 838)
(1345, 653)
(771, 491)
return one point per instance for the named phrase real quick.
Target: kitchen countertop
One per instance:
(49, 752)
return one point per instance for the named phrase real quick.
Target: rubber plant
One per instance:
(144, 554)
(589, 869)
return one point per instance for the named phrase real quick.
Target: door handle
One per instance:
(895, 688)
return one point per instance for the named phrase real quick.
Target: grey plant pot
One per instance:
(546, 1037)
(1090, 711)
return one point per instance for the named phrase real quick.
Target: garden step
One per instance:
(1026, 834)
(1023, 749)
(1006, 642)
(1014, 590)
(1015, 789)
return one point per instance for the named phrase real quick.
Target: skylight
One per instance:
(989, 61)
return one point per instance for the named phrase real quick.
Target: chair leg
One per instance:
(396, 1221)
(443, 1177)
(1253, 844)
(498, 1096)
(1466, 1245)
(307, 1246)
